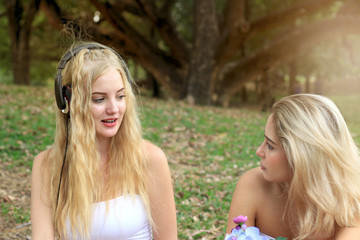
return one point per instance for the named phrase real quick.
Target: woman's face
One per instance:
(274, 162)
(108, 103)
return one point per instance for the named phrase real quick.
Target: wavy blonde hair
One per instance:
(82, 181)
(325, 188)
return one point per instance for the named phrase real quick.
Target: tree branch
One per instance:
(235, 31)
(162, 21)
(233, 27)
(283, 49)
(53, 13)
(31, 10)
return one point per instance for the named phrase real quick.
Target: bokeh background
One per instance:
(207, 72)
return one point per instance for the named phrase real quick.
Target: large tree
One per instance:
(226, 47)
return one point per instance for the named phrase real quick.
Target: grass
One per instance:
(18, 214)
(208, 148)
(350, 108)
(27, 124)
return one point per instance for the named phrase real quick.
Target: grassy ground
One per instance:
(208, 148)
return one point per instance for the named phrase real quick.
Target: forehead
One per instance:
(110, 79)
(270, 130)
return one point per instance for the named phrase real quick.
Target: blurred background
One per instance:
(209, 52)
(208, 72)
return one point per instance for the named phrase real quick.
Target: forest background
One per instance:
(208, 72)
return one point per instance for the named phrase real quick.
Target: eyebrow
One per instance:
(102, 93)
(270, 140)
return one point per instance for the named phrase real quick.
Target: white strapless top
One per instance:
(126, 218)
(266, 237)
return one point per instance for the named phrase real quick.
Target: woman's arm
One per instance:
(41, 222)
(161, 195)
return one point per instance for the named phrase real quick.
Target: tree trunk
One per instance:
(202, 58)
(265, 95)
(244, 95)
(20, 22)
(21, 62)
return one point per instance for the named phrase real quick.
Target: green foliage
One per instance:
(45, 53)
(183, 17)
(6, 76)
(5, 49)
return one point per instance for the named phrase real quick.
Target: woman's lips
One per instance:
(110, 122)
(262, 167)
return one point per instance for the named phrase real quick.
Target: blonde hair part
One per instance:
(325, 188)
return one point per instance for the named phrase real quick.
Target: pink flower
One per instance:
(240, 219)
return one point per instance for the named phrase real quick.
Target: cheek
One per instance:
(284, 167)
(279, 167)
(95, 111)
(122, 107)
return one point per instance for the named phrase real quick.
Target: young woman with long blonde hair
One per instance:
(100, 179)
(308, 182)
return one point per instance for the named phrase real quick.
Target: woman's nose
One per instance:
(260, 151)
(111, 107)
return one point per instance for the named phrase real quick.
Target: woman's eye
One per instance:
(98, 100)
(121, 96)
(269, 146)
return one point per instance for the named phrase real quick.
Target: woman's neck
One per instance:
(280, 189)
(103, 147)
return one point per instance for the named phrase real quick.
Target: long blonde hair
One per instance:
(325, 188)
(82, 181)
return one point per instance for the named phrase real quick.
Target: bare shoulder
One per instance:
(155, 155)
(39, 160)
(348, 233)
(253, 188)
(38, 172)
(153, 150)
(247, 198)
(254, 180)
(41, 156)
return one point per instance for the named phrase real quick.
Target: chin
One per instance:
(270, 179)
(107, 134)
(110, 135)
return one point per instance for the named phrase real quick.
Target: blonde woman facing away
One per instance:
(100, 179)
(308, 182)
